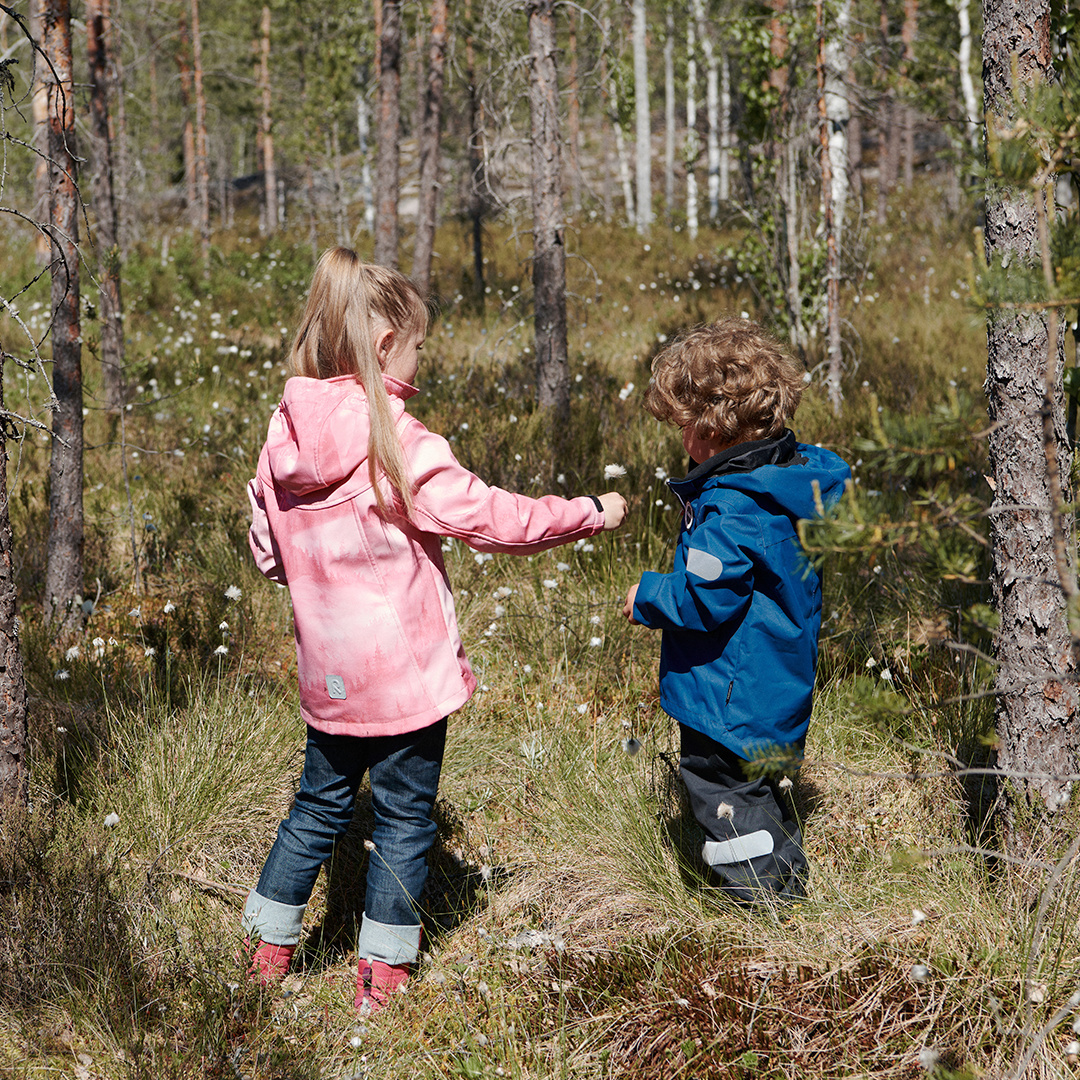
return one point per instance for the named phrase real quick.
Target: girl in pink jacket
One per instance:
(349, 503)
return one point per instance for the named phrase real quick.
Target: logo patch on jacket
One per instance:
(703, 564)
(335, 687)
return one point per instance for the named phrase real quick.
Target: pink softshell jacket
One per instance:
(377, 642)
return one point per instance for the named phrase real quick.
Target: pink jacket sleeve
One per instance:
(260, 538)
(451, 501)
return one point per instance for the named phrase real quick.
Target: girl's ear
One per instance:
(384, 344)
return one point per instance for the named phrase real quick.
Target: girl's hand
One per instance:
(628, 607)
(614, 509)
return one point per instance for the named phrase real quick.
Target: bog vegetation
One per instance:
(569, 931)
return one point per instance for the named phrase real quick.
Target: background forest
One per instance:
(170, 174)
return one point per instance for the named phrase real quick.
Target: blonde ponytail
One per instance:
(337, 337)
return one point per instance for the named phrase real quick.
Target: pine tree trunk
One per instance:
(40, 113)
(202, 171)
(183, 65)
(430, 133)
(712, 110)
(643, 127)
(549, 252)
(386, 165)
(13, 701)
(108, 248)
(63, 574)
(118, 135)
(266, 124)
(477, 178)
(573, 104)
(1036, 711)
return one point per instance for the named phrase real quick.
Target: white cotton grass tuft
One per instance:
(613, 472)
(725, 812)
(785, 783)
(111, 820)
(631, 746)
(928, 1058)
(72, 654)
(917, 916)
(169, 608)
(369, 845)
(920, 973)
(221, 650)
(233, 593)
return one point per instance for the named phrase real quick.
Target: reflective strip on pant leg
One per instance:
(739, 849)
(274, 923)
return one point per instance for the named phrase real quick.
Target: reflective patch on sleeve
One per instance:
(740, 849)
(703, 565)
(335, 687)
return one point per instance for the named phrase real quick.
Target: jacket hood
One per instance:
(318, 435)
(779, 469)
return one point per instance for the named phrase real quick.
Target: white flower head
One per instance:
(369, 845)
(550, 583)
(725, 812)
(583, 708)
(595, 642)
(223, 626)
(871, 662)
(917, 916)
(886, 674)
(631, 746)
(135, 613)
(233, 593)
(920, 972)
(149, 651)
(613, 472)
(661, 473)
(98, 643)
(111, 820)
(221, 650)
(928, 1058)
(785, 783)
(169, 608)
(72, 654)
(62, 674)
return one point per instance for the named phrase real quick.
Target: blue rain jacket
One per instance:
(741, 610)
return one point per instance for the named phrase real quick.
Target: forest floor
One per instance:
(570, 931)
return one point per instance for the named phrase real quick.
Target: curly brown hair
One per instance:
(731, 379)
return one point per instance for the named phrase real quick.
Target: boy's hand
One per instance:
(628, 607)
(614, 509)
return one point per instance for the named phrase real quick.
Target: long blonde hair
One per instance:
(337, 337)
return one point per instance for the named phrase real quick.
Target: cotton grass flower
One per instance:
(169, 608)
(550, 583)
(920, 973)
(917, 916)
(631, 746)
(111, 820)
(72, 654)
(583, 708)
(149, 651)
(62, 675)
(369, 845)
(233, 593)
(595, 642)
(613, 472)
(785, 783)
(221, 650)
(725, 812)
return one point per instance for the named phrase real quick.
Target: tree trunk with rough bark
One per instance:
(108, 247)
(832, 257)
(389, 121)
(64, 569)
(40, 113)
(549, 252)
(266, 124)
(1030, 526)
(13, 735)
(430, 134)
(573, 108)
(183, 65)
(477, 177)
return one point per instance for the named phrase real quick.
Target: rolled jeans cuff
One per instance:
(390, 944)
(274, 923)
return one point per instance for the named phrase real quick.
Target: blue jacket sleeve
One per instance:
(711, 584)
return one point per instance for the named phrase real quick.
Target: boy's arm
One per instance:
(714, 587)
(450, 500)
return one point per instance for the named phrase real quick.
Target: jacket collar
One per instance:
(742, 457)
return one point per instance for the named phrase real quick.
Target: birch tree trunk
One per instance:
(643, 127)
(108, 248)
(832, 257)
(386, 164)
(1030, 530)
(202, 170)
(13, 707)
(549, 252)
(712, 110)
(341, 214)
(669, 111)
(266, 124)
(692, 148)
(63, 573)
(573, 118)
(967, 84)
(724, 166)
(183, 65)
(430, 133)
(363, 134)
(837, 115)
(477, 176)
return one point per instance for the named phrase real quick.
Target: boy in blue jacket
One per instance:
(741, 609)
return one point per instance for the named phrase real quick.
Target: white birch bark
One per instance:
(692, 148)
(669, 111)
(643, 132)
(363, 132)
(838, 113)
(712, 109)
(725, 126)
(967, 84)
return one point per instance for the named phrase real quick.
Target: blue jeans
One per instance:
(404, 774)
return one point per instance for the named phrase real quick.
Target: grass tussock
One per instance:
(571, 931)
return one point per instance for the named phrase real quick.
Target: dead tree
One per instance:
(63, 574)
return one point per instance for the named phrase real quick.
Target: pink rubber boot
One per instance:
(376, 981)
(269, 963)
